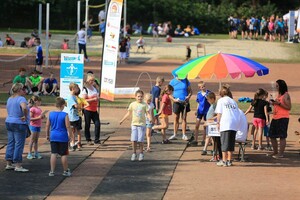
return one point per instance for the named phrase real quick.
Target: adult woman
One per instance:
(279, 125)
(228, 118)
(91, 94)
(181, 106)
(16, 125)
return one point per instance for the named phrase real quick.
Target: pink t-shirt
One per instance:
(168, 106)
(35, 112)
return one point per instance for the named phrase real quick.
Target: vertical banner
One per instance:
(71, 70)
(110, 49)
(298, 22)
(291, 25)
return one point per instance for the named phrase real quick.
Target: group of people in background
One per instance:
(255, 28)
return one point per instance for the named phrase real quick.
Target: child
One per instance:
(59, 124)
(188, 53)
(36, 117)
(260, 118)
(39, 56)
(65, 44)
(82, 103)
(122, 48)
(72, 108)
(164, 112)
(137, 110)
(148, 98)
(201, 112)
(140, 44)
(211, 117)
(267, 126)
(128, 47)
(156, 90)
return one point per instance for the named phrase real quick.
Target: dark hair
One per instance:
(211, 95)
(139, 92)
(59, 102)
(22, 69)
(282, 86)
(225, 91)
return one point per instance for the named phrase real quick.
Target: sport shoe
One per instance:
(229, 163)
(89, 142)
(30, 156)
(221, 163)
(166, 142)
(204, 153)
(9, 167)
(67, 173)
(173, 137)
(21, 169)
(184, 137)
(141, 157)
(133, 157)
(51, 173)
(38, 156)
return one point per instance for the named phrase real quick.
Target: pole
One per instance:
(47, 33)
(124, 16)
(78, 15)
(86, 17)
(40, 19)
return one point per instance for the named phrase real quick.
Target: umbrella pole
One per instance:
(220, 84)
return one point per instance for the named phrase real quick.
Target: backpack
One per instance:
(255, 23)
(231, 23)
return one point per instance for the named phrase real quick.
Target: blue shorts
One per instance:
(149, 125)
(35, 129)
(200, 116)
(138, 133)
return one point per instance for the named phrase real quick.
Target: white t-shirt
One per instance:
(230, 114)
(101, 15)
(81, 37)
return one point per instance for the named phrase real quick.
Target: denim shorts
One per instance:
(149, 125)
(35, 129)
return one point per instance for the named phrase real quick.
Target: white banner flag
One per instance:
(110, 49)
(298, 22)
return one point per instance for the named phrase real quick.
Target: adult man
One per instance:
(181, 96)
(50, 86)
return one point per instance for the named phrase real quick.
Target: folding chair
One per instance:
(199, 49)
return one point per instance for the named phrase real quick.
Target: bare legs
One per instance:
(64, 161)
(282, 145)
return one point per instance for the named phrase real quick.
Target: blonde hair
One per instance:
(148, 96)
(73, 85)
(160, 78)
(34, 99)
(16, 87)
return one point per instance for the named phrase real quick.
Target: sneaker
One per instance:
(30, 156)
(133, 157)
(202, 143)
(9, 167)
(97, 142)
(51, 173)
(141, 157)
(166, 142)
(173, 137)
(38, 156)
(21, 169)
(221, 163)
(204, 152)
(184, 137)
(192, 138)
(67, 173)
(229, 163)
(89, 142)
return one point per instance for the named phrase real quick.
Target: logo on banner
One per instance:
(107, 62)
(71, 58)
(114, 10)
(71, 70)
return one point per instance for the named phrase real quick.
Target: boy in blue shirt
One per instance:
(39, 56)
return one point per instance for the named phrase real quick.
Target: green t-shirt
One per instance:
(35, 80)
(19, 79)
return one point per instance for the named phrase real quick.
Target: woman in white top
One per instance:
(228, 122)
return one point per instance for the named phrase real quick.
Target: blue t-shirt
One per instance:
(155, 94)
(203, 103)
(180, 88)
(72, 111)
(50, 82)
(39, 52)
(58, 129)
(14, 110)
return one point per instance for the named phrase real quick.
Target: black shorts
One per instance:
(77, 124)
(60, 148)
(179, 107)
(39, 61)
(201, 116)
(278, 128)
(228, 140)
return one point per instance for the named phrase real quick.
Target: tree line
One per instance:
(210, 16)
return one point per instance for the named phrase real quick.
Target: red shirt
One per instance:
(167, 110)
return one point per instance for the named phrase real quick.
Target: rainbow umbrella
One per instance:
(220, 65)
